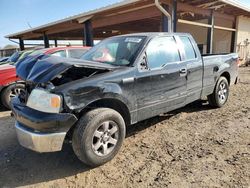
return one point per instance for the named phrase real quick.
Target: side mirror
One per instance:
(143, 63)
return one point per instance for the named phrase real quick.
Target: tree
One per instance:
(10, 46)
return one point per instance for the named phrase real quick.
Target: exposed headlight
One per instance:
(44, 101)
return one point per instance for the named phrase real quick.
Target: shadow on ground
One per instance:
(20, 166)
(197, 106)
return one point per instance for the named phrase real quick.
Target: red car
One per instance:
(11, 85)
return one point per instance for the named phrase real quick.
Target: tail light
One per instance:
(238, 62)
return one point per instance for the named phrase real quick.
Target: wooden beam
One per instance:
(194, 23)
(224, 16)
(224, 28)
(131, 9)
(126, 17)
(137, 27)
(29, 36)
(65, 28)
(136, 5)
(188, 8)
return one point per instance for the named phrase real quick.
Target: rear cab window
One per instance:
(61, 53)
(76, 53)
(188, 48)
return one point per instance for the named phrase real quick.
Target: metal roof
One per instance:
(234, 3)
(237, 4)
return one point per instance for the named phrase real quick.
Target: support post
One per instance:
(46, 40)
(174, 15)
(55, 43)
(164, 20)
(88, 33)
(233, 39)
(210, 34)
(21, 44)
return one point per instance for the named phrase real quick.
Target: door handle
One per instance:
(183, 71)
(128, 80)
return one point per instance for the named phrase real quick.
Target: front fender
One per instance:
(77, 99)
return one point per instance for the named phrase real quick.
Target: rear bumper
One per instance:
(39, 131)
(39, 142)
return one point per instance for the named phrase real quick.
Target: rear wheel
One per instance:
(221, 93)
(98, 136)
(11, 91)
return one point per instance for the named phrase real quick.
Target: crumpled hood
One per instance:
(43, 68)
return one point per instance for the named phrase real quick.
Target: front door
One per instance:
(161, 87)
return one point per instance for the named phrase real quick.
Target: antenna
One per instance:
(29, 25)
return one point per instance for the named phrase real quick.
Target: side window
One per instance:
(76, 53)
(162, 50)
(188, 48)
(61, 53)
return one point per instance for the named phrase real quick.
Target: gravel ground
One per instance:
(195, 146)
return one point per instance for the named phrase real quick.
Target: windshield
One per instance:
(116, 50)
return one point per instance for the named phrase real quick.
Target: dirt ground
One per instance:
(195, 146)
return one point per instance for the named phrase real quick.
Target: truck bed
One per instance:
(213, 66)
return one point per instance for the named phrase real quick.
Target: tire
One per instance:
(10, 92)
(221, 93)
(95, 140)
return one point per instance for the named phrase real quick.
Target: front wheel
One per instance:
(98, 136)
(221, 93)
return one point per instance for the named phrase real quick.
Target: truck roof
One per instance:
(152, 34)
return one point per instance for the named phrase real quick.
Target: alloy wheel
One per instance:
(105, 138)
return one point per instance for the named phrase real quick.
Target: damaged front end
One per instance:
(42, 116)
(49, 72)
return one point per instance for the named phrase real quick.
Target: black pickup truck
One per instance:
(121, 81)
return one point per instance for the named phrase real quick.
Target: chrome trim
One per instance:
(128, 80)
(39, 142)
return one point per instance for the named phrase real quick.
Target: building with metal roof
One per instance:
(217, 25)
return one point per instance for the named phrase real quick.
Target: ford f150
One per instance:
(121, 81)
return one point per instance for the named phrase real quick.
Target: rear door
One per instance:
(162, 86)
(193, 61)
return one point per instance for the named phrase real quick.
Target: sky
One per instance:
(19, 15)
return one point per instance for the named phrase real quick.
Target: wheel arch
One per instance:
(227, 76)
(112, 103)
